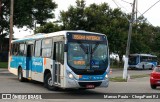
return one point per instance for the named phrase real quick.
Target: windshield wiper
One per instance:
(95, 47)
(83, 48)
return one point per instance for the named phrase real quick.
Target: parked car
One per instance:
(155, 77)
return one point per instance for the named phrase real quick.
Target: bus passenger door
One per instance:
(29, 60)
(58, 68)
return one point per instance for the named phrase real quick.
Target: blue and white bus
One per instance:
(64, 59)
(142, 61)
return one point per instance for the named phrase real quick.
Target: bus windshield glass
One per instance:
(133, 60)
(87, 55)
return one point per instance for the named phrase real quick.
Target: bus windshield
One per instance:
(88, 56)
(133, 60)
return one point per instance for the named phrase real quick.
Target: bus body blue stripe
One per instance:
(92, 77)
(27, 63)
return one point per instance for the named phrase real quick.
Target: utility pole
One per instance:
(128, 42)
(11, 25)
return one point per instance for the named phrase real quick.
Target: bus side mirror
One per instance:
(65, 47)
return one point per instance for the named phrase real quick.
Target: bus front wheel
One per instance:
(48, 82)
(20, 75)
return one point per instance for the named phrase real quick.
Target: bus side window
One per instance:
(47, 47)
(16, 49)
(38, 48)
(21, 50)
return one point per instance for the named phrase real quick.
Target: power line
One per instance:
(136, 9)
(143, 15)
(120, 9)
(124, 7)
(151, 7)
(127, 2)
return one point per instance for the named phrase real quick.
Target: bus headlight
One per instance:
(70, 75)
(106, 76)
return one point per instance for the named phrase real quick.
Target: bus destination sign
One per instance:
(86, 37)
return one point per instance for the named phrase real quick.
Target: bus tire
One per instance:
(47, 82)
(20, 75)
(151, 67)
(143, 67)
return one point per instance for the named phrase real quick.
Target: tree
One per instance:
(26, 13)
(48, 28)
(74, 18)
(112, 22)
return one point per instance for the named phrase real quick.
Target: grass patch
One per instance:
(120, 79)
(3, 64)
(116, 66)
(117, 79)
(139, 76)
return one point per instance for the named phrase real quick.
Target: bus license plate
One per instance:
(90, 86)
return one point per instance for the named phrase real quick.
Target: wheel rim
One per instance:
(50, 81)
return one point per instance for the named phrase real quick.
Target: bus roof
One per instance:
(150, 55)
(59, 33)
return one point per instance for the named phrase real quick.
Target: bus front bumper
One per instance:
(72, 83)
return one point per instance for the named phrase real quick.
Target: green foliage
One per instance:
(74, 18)
(26, 13)
(112, 22)
(48, 28)
(96, 18)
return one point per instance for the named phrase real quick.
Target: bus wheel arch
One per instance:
(45, 73)
(47, 79)
(152, 67)
(20, 74)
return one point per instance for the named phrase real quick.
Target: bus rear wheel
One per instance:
(48, 83)
(151, 67)
(20, 75)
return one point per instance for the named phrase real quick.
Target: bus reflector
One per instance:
(45, 61)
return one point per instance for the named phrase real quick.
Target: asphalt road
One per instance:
(10, 84)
